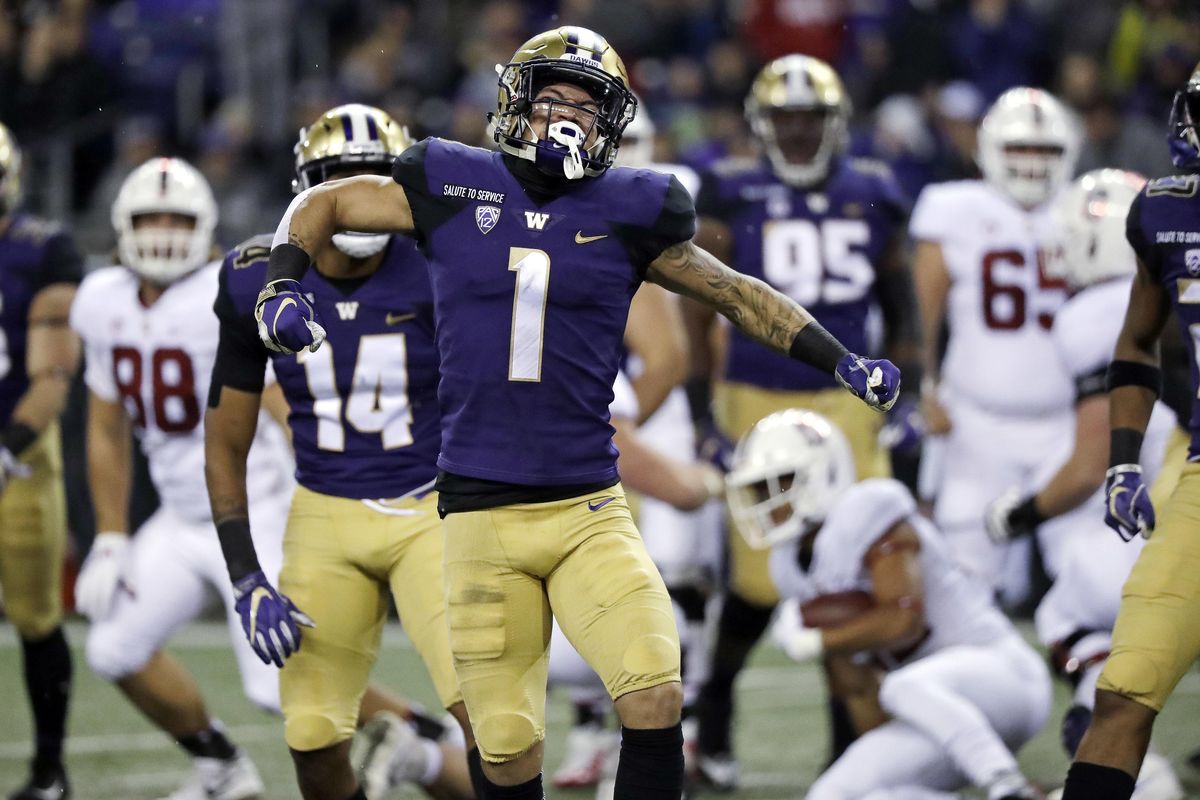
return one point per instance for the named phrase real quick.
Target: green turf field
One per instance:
(113, 753)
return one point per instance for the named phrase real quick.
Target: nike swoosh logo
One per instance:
(396, 319)
(256, 597)
(597, 506)
(275, 324)
(581, 239)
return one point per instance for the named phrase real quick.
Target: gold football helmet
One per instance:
(575, 56)
(10, 172)
(799, 112)
(347, 139)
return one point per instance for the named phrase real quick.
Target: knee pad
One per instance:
(505, 737)
(310, 731)
(110, 657)
(650, 655)
(1074, 724)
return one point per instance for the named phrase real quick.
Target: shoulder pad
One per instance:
(863, 514)
(1182, 186)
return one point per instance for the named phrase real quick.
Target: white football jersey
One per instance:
(1085, 336)
(624, 404)
(958, 608)
(157, 362)
(1001, 305)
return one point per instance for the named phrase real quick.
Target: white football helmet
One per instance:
(785, 476)
(1090, 220)
(1028, 145)
(164, 185)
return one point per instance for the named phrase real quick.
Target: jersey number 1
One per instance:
(378, 398)
(529, 313)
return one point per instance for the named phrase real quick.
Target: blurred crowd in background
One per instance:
(94, 87)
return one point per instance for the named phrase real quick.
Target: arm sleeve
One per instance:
(676, 223)
(62, 263)
(241, 360)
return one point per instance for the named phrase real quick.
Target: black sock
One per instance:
(740, 624)
(475, 768)
(841, 728)
(651, 765)
(209, 743)
(1095, 782)
(48, 683)
(691, 599)
(530, 790)
(427, 727)
(359, 794)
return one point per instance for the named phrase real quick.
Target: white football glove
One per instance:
(789, 633)
(101, 572)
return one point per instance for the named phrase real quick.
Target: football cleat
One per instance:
(391, 755)
(1157, 780)
(719, 771)
(44, 785)
(220, 779)
(1012, 786)
(588, 747)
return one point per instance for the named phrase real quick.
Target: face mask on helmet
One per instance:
(1183, 137)
(349, 140)
(1028, 144)
(563, 103)
(637, 143)
(787, 473)
(165, 216)
(10, 173)
(1089, 219)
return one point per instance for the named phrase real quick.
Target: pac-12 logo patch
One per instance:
(1191, 260)
(486, 217)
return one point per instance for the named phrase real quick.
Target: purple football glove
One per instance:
(1127, 507)
(287, 322)
(713, 446)
(904, 429)
(874, 381)
(270, 620)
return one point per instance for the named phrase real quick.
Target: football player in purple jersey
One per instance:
(39, 270)
(363, 522)
(1156, 638)
(827, 230)
(535, 252)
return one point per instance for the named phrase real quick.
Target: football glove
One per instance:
(904, 429)
(1005, 518)
(874, 381)
(790, 634)
(1127, 507)
(270, 620)
(287, 322)
(713, 446)
(100, 575)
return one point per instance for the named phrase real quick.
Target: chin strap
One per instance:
(569, 136)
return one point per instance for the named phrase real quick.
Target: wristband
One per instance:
(17, 437)
(816, 346)
(1026, 516)
(1134, 373)
(699, 397)
(237, 547)
(1125, 447)
(287, 262)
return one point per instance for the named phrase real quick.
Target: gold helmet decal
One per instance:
(346, 139)
(10, 172)
(569, 55)
(791, 87)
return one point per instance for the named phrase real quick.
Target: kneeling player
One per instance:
(365, 425)
(148, 359)
(963, 690)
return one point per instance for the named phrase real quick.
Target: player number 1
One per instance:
(529, 313)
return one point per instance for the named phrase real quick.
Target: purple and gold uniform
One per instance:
(1157, 638)
(820, 246)
(34, 253)
(531, 293)
(366, 429)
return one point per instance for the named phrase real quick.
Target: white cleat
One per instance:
(1157, 780)
(391, 755)
(720, 771)
(588, 746)
(216, 779)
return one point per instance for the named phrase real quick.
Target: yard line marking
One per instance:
(138, 742)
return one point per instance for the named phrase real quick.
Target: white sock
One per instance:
(433, 761)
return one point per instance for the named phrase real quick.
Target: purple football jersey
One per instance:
(34, 253)
(1163, 227)
(364, 414)
(531, 294)
(819, 247)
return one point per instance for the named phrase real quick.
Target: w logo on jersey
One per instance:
(347, 310)
(486, 217)
(535, 220)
